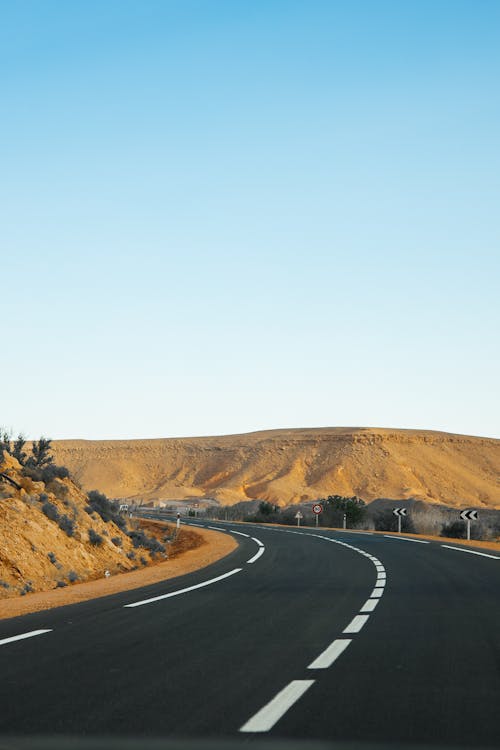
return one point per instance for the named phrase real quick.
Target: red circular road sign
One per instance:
(317, 508)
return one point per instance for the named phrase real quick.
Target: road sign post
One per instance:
(344, 521)
(399, 512)
(468, 516)
(317, 509)
(178, 520)
(298, 516)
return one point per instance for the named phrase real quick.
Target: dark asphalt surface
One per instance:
(425, 668)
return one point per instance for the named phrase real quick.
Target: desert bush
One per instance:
(131, 555)
(43, 497)
(4, 584)
(50, 511)
(61, 584)
(140, 539)
(72, 576)
(52, 558)
(107, 509)
(27, 589)
(117, 541)
(95, 538)
(143, 561)
(67, 525)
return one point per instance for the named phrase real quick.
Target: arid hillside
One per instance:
(52, 537)
(285, 466)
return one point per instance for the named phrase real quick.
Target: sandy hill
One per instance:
(284, 466)
(51, 537)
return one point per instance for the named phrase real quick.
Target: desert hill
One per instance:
(51, 536)
(285, 466)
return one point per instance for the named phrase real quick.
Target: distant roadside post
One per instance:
(317, 509)
(298, 516)
(178, 520)
(399, 512)
(468, 516)
(344, 521)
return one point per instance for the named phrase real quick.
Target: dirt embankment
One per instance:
(53, 538)
(287, 466)
(192, 551)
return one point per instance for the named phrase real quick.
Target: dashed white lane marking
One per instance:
(471, 551)
(215, 528)
(240, 533)
(356, 624)
(376, 593)
(257, 541)
(330, 654)
(21, 637)
(257, 555)
(183, 591)
(405, 539)
(369, 605)
(266, 718)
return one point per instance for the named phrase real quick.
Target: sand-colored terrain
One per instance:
(52, 540)
(286, 466)
(195, 550)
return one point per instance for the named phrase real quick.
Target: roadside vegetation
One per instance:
(421, 518)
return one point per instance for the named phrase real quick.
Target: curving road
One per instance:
(310, 635)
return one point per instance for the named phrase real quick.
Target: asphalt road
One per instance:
(311, 635)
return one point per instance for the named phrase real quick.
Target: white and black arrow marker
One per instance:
(468, 515)
(399, 512)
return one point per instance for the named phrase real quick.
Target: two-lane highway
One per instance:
(298, 633)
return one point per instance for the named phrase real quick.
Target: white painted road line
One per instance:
(380, 583)
(330, 654)
(21, 637)
(356, 624)
(266, 718)
(183, 591)
(215, 528)
(240, 533)
(406, 539)
(376, 593)
(257, 541)
(471, 551)
(369, 605)
(257, 555)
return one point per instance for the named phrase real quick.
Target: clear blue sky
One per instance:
(227, 216)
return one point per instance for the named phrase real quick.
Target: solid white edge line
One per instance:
(257, 555)
(369, 605)
(330, 654)
(266, 718)
(23, 636)
(406, 539)
(183, 591)
(257, 541)
(471, 552)
(356, 624)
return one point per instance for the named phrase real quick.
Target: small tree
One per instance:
(18, 451)
(336, 505)
(40, 454)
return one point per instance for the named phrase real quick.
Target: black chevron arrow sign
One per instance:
(399, 511)
(468, 515)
